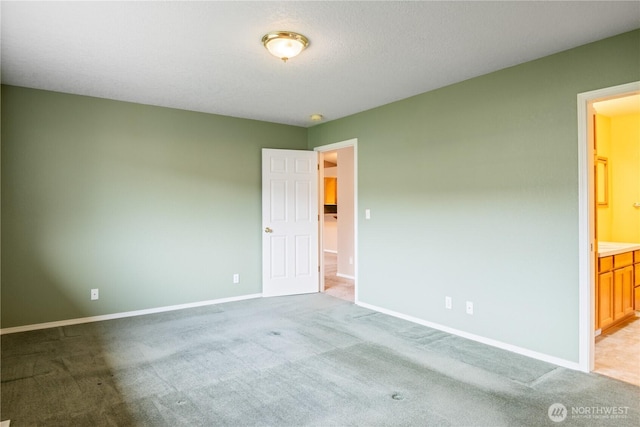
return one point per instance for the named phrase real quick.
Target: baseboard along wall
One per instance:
(494, 343)
(515, 349)
(77, 321)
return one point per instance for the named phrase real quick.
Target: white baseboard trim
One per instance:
(494, 343)
(345, 276)
(80, 320)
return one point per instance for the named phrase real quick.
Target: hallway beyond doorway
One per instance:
(334, 285)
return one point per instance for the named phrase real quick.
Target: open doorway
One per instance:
(607, 292)
(338, 220)
(616, 134)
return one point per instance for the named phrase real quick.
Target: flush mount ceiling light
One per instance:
(284, 44)
(316, 117)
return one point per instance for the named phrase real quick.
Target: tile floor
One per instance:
(338, 287)
(618, 352)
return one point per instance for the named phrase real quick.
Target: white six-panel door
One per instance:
(289, 222)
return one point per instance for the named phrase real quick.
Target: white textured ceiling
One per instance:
(207, 56)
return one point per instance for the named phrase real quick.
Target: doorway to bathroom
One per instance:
(609, 153)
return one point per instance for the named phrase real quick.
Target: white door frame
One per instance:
(322, 149)
(586, 222)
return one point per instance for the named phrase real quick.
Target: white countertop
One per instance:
(615, 248)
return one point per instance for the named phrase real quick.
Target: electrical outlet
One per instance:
(447, 303)
(469, 307)
(95, 294)
(350, 260)
(236, 278)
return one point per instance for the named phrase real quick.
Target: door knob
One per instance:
(268, 230)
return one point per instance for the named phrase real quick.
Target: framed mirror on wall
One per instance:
(602, 181)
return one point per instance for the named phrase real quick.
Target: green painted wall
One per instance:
(473, 191)
(153, 206)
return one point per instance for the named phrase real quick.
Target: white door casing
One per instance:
(352, 143)
(586, 221)
(289, 222)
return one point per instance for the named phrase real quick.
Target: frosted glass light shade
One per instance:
(284, 44)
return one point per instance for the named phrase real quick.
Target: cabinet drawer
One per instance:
(622, 260)
(636, 256)
(636, 278)
(605, 264)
